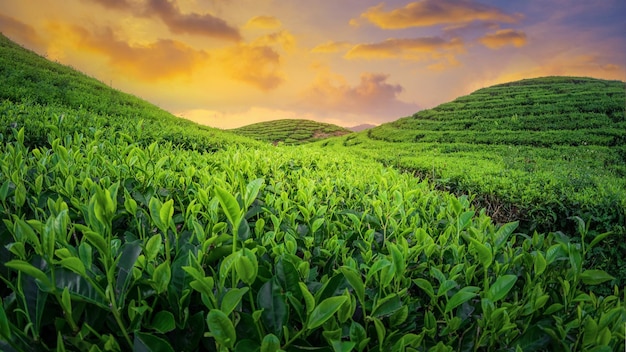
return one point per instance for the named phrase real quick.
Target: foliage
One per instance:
(291, 131)
(539, 150)
(113, 241)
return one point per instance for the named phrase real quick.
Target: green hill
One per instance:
(539, 150)
(49, 99)
(291, 131)
(124, 228)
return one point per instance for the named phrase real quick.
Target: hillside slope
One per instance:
(541, 150)
(33, 87)
(291, 131)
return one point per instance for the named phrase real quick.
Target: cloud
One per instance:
(283, 38)
(162, 59)
(372, 96)
(177, 22)
(258, 66)
(331, 47)
(426, 13)
(416, 49)
(263, 22)
(20, 32)
(504, 37)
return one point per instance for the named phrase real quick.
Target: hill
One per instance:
(362, 127)
(69, 101)
(291, 131)
(538, 150)
(124, 228)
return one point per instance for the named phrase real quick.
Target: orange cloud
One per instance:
(177, 22)
(417, 49)
(263, 22)
(504, 37)
(283, 38)
(435, 12)
(331, 47)
(20, 32)
(255, 65)
(155, 61)
(372, 96)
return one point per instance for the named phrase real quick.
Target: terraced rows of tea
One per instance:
(291, 132)
(119, 234)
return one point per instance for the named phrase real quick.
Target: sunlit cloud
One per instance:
(282, 38)
(416, 49)
(204, 24)
(20, 32)
(373, 95)
(258, 66)
(331, 47)
(263, 22)
(162, 59)
(425, 13)
(504, 37)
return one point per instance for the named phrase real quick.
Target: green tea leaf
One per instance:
(252, 190)
(355, 280)
(161, 276)
(599, 238)
(595, 277)
(247, 266)
(270, 343)
(163, 322)
(425, 286)
(501, 287)
(5, 328)
(149, 343)
(30, 270)
(75, 265)
(221, 328)
(309, 300)
(387, 306)
(165, 214)
(229, 205)
(153, 247)
(539, 263)
(155, 206)
(232, 298)
(462, 296)
(275, 311)
(324, 311)
(485, 257)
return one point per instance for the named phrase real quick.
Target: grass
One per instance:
(291, 132)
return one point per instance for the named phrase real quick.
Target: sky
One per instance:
(229, 63)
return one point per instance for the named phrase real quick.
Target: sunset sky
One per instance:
(228, 63)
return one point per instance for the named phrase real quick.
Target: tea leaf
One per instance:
(29, 269)
(75, 265)
(387, 306)
(163, 322)
(270, 343)
(232, 298)
(161, 276)
(501, 287)
(324, 311)
(275, 311)
(595, 277)
(462, 296)
(229, 205)
(221, 328)
(355, 281)
(5, 328)
(149, 343)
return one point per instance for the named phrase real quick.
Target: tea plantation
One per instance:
(291, 131)
(122, 230)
